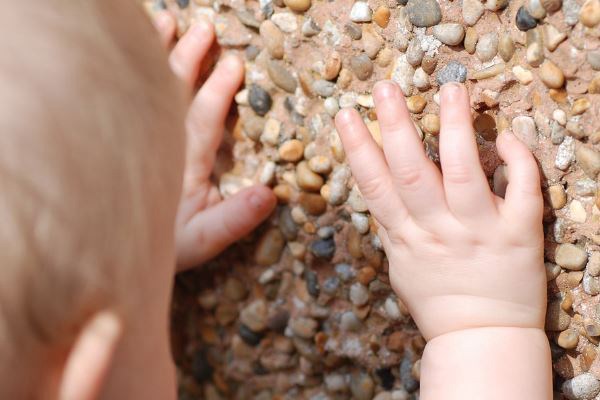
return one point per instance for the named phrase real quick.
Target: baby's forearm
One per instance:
(487, 363)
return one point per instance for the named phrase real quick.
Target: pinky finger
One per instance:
(523, 199)
(166, 27)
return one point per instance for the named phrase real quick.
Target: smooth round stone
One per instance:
(331, 106)
(552, 5)
(524, 20)
(312, 203)
(535, 54)
(331, 285)
(349, 322)
(353, 30)
(361, 12)
(362, 66)
(260, 100)
(254, 316)
(570, 9)
(414, 53)
(487, 47)
(580, 106)
(356, 201)
(421, 79)
(536, 9)
(423, 13)
(310, 27)
(589, 161)
(558, 132)
(523, 75)
(335, 382)
(291, 150)
(581, 387)
(570, 257)
(269, 248)
(285, 21)
(235, 289)
(372, 43)
(557, 196)
(307, 179)
(254, 126)
(345, 272)
(333, 65)
(359, 294)
(472, 10)
(323, 87)
(272, 38)
(324, 248)
(506, 47)
(551, 75)
(553, 37)
(568, 339)
(298, 5)
(320, 164)
(391, 308)
(360, 222)
(593, 266)
(454, 71)
(590, 13)
(450, 34)
(281, 77)
(495, 5)
(416, 104)
(591, 285)
(430, 123)
(382, 16)
(471, 39)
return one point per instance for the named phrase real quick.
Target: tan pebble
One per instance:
(298, 250)
(570, 257)
(551, 75)
(471, 38)
(566, 300)
(560, 116)
(431, 124)
(557, 196)
(580, 106)
(320, 164)
(552, 271)
(589, 160)
(373, 127)
(491, 98)
(429, 64)
(325, 192)
(298, 5)
(382, 16)
(553, 37)
(568, 339)
(594, 87)
(385, 57)
(551, 5)
(558, 95)
(272, 39)
(556, 318)
(281, 77)
(489, 72)
(396, 341)
(344, 78)
(523, 75)
(333, 65)
(535, 54)
(269, 247)
(416, 104)
(283, 192)
(306, 83)
(366, 275)
(292, 150)
(309, 228)
(354, 243)
(506, 47)
(589, 15)
(307, 179)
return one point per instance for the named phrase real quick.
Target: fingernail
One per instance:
(231, 62)
(344, 115)
(201, 27)
(385, 89)
(451, 89)
(258, 199)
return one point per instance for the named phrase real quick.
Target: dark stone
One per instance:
(324, 248)
(312, 282)
(248, 336)
(287, 226)
(247, 18)
(386, 378)
(278, 321)
(260, 100)
(331, 285)
(201, 369)
(452, 72)
(524, 20)
(353, 30)
(401, 2)
(183, 3)
(409, 383)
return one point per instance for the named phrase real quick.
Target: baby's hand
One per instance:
(460, 257)
(207, 224)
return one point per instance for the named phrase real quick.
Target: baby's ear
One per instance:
(90, 358)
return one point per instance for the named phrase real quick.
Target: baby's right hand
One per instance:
(460, 257)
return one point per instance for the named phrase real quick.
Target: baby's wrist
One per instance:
(478, 362)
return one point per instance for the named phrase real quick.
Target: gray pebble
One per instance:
(582, 387)
(349, 322)
(323, 88)
(424, 13)
(454, 71)
(593, 58)
(359, 294)
(344, 271)
(260, 100)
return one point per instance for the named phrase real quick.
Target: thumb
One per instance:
(211, 231)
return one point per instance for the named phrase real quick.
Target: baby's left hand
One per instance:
(207, 224)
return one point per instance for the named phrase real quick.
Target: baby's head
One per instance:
(91, 161)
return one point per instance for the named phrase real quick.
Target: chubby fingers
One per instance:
(416, 178)
(189, 52)
(523, 200)
(211, 231)
(466, 188)
(369, 168)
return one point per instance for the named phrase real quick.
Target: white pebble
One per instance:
(391, 308)
(268, 173)
(421, 79)
(360, 222)
(331, 106)
(285, 21)
(560, 116)
(565, 154)
(523, 75)
(361, 12)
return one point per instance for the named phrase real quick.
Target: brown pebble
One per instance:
(382, 16)
(366, 275)
(485, 125)
(281, 77)
(559, 95)
(430, 123)
(416, 104)
(556, 318)
(362, 66)
(307, 179)
(270, 247)
(298, 5)
(272, 38)
(552, 5)
(396, 341)
(471, 38)
(594, 87)
(292, 150)
(344, 78)
(429, 64)
(557, 196)
(354, 243)
(551, 75)
(580, 106)
(283, 192)
(566, 301)
(568, 339)
(333, 65)
(506, 47)
(312, 203)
